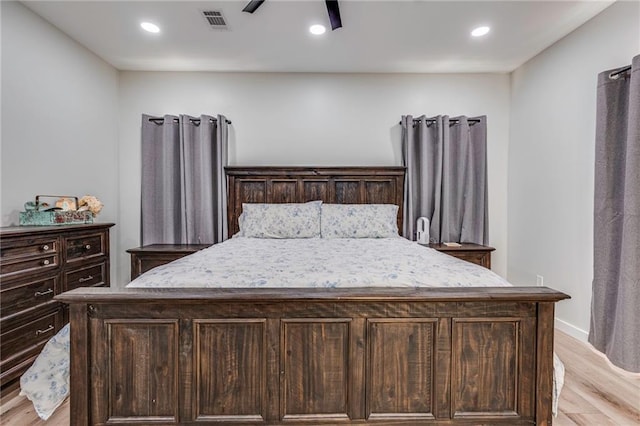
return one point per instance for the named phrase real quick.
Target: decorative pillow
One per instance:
(240, 226)
(46, 382)
(359, 221)
(299, 220)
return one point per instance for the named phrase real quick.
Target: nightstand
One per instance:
(148, 257)
(474, 253)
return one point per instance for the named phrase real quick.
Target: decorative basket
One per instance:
(32, 216)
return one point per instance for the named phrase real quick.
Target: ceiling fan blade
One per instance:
(252, 6)
(334, 14)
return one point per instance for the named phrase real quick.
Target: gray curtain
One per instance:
(184, 190)
(615, 303)
(446, 180)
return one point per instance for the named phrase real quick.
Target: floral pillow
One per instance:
(46, 382)
(297, 220)
(359, 221)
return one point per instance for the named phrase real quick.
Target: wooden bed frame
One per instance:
(439, 356)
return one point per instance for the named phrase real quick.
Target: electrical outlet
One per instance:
(539, 280)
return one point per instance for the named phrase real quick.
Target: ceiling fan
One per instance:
(332, 9)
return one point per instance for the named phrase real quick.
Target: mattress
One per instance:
(319, 263)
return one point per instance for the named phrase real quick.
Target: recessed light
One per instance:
(480, 31)
(148, 26)
(317, 29)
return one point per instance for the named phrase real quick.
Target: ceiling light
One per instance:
(480, 31)
(317, 29)
(148, 26)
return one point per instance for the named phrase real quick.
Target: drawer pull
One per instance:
(46, 262)
(45, 331)
(85, 279)
(43, 293)
(45, 247)
(87, 247)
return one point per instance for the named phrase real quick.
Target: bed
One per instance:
(328, 355)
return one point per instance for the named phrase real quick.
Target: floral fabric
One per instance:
(558, 382)
(276, 263)
(318, 262)
(359, 221)
(46, 382)
(299, 220)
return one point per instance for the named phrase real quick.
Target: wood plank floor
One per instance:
(593, 393)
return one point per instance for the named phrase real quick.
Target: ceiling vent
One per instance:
(215, 19)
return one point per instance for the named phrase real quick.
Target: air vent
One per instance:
(215, 19)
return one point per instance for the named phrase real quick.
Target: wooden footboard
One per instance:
(294, 356)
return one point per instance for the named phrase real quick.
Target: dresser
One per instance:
(474, 253)
(152, 255)
(36, 264)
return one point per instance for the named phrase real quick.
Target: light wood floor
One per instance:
(593, 393)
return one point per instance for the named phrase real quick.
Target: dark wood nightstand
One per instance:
(148, 257)
(474, 253)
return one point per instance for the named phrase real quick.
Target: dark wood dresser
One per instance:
(36, 264)
(148, 257)
(474, 253)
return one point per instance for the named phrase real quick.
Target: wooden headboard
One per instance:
(336, 185)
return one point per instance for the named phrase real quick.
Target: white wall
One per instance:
(312, 119)
(551, 158)
(59, 117)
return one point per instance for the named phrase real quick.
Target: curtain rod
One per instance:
(616, 74)
(160, 120)
(453, 121)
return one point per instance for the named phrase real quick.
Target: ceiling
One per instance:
(377, 36)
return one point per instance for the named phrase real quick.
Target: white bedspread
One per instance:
(318, 263)
(248, 262)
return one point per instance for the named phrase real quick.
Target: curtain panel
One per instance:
(615, 303)
(184, 191)
(446, 179)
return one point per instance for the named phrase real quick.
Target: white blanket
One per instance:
(319, 263)
(249, 262)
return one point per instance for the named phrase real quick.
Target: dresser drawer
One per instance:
(85, 246)
(28, 247)
(149, 256)
(29, 255)
(26, 294)
(24, 337)
(33, 265)
(474, 253)
(87, 276)
(473, 257)
(147, 263)
(21, 345)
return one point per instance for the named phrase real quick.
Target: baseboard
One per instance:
(572, 330)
